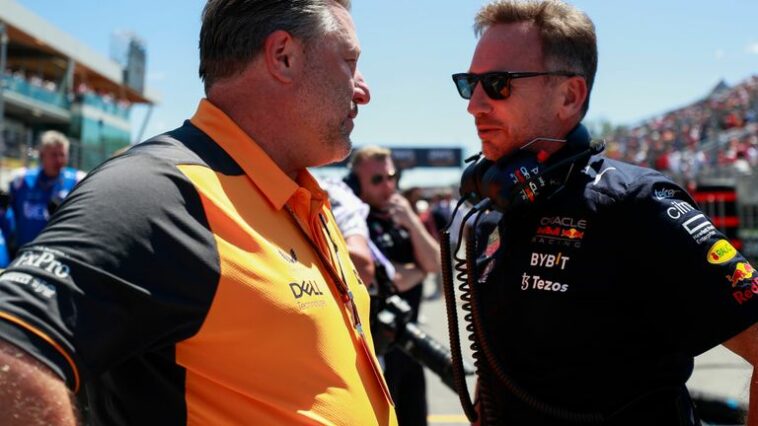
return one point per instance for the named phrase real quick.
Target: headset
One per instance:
(523, 177)
(353, 182)
(513, 182)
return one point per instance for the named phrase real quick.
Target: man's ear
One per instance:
(284, 55)
(573, 94)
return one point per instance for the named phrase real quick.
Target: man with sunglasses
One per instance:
(399, 234)
(597, 291)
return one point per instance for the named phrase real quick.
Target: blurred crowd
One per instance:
(716, 134)
(18, 79)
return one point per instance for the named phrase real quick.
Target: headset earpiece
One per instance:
(523, 177)
(353, 182)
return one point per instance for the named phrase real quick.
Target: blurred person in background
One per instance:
(36, 193)
(400, 235)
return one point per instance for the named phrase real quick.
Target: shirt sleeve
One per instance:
(349, 211)
(125, 266)
(709, 290)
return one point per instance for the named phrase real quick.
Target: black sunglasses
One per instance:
(497, 84)
(378, 179)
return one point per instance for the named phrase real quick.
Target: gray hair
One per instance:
(233, 31)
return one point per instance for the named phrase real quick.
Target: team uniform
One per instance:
(405, 376)
(205, 292)
(596, 300)
(32, 194)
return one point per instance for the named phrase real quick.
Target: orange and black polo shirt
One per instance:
(181, 283)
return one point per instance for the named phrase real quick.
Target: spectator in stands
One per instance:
(702, 131)
(36, 193)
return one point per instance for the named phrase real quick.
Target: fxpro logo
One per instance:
(535, 282)
(45, 260)
(305, 288)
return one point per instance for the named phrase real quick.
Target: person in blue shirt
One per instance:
(35, 193)
(6, 227)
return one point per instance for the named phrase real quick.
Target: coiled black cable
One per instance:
(481, 337)
(459, 376)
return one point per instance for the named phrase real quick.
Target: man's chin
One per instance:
(339, 150)
(490, 152)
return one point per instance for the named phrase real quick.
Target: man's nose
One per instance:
(361, 93)
(479, 103)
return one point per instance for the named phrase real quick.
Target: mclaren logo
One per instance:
(305, 288)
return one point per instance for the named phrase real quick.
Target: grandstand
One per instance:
(711, 147)
(49, 80)
(716, 137)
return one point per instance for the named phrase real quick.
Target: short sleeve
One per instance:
(126, 265)
(349, 211)
(693, 268)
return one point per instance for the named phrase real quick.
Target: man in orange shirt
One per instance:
(216, 288)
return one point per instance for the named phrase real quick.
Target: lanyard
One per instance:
(347, 295)
(339, 281)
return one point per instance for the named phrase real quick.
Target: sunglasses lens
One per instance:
(496, 86)
(378, 179)
(465, 84)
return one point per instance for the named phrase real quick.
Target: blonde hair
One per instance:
(52, 138)
(569, 42)
(370, 152)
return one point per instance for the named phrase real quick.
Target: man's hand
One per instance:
(31, 394)
(401, 211)
(426, 250)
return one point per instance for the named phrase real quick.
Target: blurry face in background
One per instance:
(53, 158)
(378, 180)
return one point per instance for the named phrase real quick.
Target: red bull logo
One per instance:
(742, 271)
(549, 230)
(742, 295)
(572, 233)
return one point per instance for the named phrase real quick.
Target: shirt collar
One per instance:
(275, 185)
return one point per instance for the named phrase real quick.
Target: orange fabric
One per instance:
(276, 310)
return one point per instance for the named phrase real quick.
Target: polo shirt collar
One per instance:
(275, 185)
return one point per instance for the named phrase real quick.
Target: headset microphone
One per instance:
(523, 177)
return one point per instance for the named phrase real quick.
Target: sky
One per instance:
(654, 56)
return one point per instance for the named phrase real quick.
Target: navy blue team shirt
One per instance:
(603, 294)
